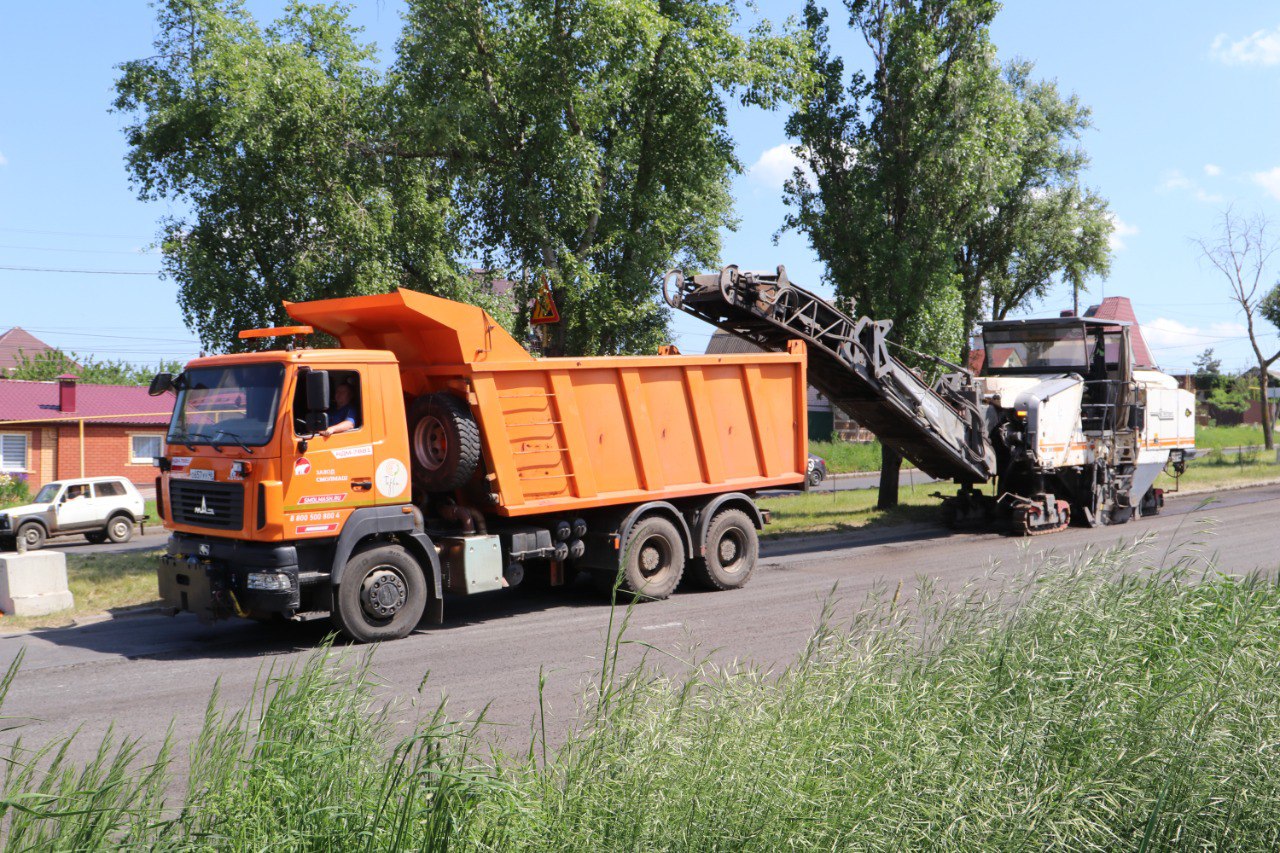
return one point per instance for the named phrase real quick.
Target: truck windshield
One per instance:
(47, 494)
(227, 405)
(1030, 350)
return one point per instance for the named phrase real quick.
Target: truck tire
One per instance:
(382, 595)
(34, 535)
(652, 559)
(120, 528)
(444, 442)
(732, 549)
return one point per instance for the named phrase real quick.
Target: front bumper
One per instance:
(210, 577)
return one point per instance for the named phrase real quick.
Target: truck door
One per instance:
(335, 473)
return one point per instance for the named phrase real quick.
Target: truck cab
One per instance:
(257, 478)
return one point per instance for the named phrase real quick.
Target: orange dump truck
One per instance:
(432, 455)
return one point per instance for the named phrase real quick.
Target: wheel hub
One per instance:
(728, 551)
(432, 443)
(383, 593)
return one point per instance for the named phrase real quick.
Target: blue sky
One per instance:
(1184, 97)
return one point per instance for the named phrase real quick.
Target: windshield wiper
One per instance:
(237, 439)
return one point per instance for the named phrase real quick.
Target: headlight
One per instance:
(270, 581)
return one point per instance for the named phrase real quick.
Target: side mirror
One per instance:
(160, 383)
(317, 421)
(317, 388)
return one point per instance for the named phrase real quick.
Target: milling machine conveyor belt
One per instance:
(943, 431)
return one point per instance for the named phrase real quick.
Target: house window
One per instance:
(13, 451)
(145, 448)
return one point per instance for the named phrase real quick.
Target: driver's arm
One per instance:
(344, 425)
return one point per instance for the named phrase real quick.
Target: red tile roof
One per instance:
(1120, 308)
(19, 341)
(21, 400)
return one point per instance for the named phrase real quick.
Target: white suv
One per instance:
(98, 508)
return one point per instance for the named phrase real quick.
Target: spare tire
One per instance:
(444, 442)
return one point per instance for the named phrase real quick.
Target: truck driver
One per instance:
(343, 417)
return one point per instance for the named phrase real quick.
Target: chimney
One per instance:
(67, 392)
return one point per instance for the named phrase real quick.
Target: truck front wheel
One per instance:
(382, 595)
(652, 558)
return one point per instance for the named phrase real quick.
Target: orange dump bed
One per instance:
(576, 433)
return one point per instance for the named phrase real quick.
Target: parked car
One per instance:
(817, 470)
(97, 508)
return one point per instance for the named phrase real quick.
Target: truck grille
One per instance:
(217, 505)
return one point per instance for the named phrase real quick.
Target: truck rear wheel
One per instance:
(652, 558)
(444, 441)
(732, 548)
(382, 595)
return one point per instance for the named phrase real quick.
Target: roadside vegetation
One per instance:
(100, 583)
(1121, 699)
(844, 457)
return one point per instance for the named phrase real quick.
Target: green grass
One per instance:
(1119, 700)
(99, 583)
(1228, 436)
(846, 456)
(850, 509)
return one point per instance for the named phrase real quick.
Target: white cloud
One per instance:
(1259, 48)
(3, 160)
(776, 166)
(1119, 230)
(1165, 333)
(1175, 181)
(1268, 180)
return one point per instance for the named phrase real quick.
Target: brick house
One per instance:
(62, 429)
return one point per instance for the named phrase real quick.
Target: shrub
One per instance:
(14, 490)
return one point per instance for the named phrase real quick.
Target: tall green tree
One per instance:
(584, 140)
(589, 139)
(277, 142)
(906, 159)
(1045, 226)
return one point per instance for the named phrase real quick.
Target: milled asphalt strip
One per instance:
(146, 670)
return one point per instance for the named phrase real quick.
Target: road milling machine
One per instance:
(1058, 422)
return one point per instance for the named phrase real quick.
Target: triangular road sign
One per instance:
(544, 307)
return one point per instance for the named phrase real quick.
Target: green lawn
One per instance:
(845, 457)
(99, 583)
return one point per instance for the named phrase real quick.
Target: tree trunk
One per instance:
(890, 467)
(1264, 381)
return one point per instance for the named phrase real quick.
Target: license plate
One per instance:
(201, 473)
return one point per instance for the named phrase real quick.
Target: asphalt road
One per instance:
(144, 671)
(155, 538)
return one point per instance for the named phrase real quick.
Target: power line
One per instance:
(78, 251)
(78, 234)
(78, 272)
(115, 337)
